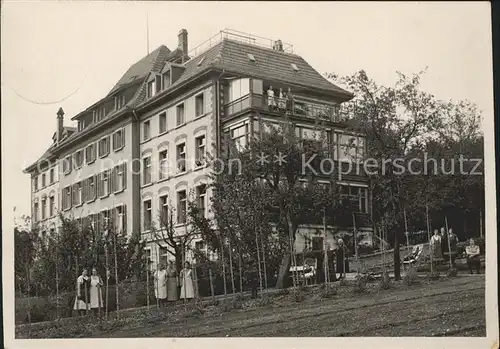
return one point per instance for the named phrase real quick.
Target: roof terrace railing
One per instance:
(241, 37)
(340, 113)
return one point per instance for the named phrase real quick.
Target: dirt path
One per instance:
(451, 307)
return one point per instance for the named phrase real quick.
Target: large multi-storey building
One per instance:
(139, 152)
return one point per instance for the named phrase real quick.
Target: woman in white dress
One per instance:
(160, 280)
(95, 292)
(187, 289)
(82, 293)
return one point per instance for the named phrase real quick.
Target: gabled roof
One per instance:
(140, 69)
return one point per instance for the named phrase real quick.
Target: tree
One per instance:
(396, 120)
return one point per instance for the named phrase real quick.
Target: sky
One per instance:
(52, 49)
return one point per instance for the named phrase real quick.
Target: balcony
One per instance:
(291, 107)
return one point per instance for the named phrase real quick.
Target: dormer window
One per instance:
(119, 102)
(151, 88)
(166, 79)
(158, 81)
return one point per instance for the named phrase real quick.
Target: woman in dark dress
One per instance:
(172, 282)
(342, 259)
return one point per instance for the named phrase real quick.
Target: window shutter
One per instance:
(124, 176)
(97, 186)
(111, 179)
(124, 222)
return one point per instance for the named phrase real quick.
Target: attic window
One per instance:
(201, 61)
(251, 57)
(294, 67)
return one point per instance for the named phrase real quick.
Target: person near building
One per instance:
(160, 280)
(271, 103)
(172, 282)
(472, 253)
(82, 293)
(187, 287)
(435, 244)
(95, 292)
(342, 259)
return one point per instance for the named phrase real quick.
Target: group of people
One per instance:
(444, 246)
(166, 284)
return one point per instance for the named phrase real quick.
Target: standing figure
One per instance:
(289, 100)
(282, 101)
(453, 240)
(95, 292)
(444, 242)
(82, 293)
(160, 280)
(435, 244)
(172, 282)
(271, 103)
(186, 276)
(473, 256)
(342, 260)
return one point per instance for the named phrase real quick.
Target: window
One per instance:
(238, 88)
(51, 176)
(200, 151)
(67, 165)
(147, 215)
(317, 243)
(52, 208)
(201, 193)
(179, 110)
(163, 164)
(44, 180)
(104, 147)
(151, 89)
(90, 153)
(251, 57)
(166, 79)
(104, 184)
(119, 102)
(158, 80)
(99, 114)
(294, 67)
(181, 157)
(351, 148)
(146, 131)
(181, 207)
(163, 122)
(35, 183)
(120, 177)
(77, 194)
(164, 213)
(147, 169)
(44, 207)
(199, 105)
(35, 212)
(78, 159)
(66, 198)
(120, 219)
(239, 136)
(118, 140)
(356, 198)
(90, 190)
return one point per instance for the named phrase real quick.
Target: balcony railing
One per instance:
(339, 113)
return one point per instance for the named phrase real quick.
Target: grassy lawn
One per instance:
(445, 307)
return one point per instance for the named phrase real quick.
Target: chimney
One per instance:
(60, 124)
(183, 41)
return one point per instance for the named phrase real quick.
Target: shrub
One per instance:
(343, 282)
(360, 284)
(283, 292)
(328, 291)
(298, 295)
(385, 282)
(434, 275)
(452, 272)
(410, 277)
